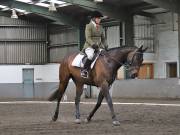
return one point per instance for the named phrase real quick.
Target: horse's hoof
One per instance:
(116, 123)
(78, 121)
(86, 120)
(54, 119)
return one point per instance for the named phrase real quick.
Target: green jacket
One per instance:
(94, 36)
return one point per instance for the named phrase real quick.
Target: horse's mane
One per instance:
(123, 48)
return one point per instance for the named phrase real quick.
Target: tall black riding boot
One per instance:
(84, 70)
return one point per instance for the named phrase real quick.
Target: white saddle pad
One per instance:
(77, 62)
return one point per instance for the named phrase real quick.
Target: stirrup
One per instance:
(84, 74)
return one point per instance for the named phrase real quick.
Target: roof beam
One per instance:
(171, 5)
(111, 11)
(142, 13)
(60, 18)
(140, 8)
(2, 13)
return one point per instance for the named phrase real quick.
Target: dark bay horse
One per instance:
(102, 75)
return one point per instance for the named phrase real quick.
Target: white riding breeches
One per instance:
(89, 52)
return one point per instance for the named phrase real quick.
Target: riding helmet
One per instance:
(96, 14)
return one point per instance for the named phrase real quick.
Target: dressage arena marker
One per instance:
(89, 103)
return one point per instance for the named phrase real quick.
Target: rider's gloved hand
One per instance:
(94, 46)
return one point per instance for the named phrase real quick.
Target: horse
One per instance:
(102, 75)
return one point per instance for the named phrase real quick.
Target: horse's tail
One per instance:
(54, 95)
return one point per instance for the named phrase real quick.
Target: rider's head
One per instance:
(96, 16)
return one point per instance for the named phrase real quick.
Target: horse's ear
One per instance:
(140, 48)
(143, 50)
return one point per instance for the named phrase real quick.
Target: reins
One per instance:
(112, 58)
(126, 64)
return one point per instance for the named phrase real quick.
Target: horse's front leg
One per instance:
(105, 90)
(79, 90)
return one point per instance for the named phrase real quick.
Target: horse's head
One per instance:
(134, 61)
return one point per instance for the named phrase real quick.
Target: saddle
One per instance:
(78, 60)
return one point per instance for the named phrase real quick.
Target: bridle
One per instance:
(129, 64)
(132, 60)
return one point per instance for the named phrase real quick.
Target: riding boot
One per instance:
(85, 69)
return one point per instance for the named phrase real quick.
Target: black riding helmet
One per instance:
(96, 14)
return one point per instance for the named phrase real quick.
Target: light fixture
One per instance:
(14, 15)
(52, 6)
(98, 1)
(42, 4)
(2, 6)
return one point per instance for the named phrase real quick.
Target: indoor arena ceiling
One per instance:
(71, 12)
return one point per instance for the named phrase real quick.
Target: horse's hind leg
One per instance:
(98, 104)
(79, 90)
(62, 87)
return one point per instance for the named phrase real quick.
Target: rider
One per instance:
(95, 40)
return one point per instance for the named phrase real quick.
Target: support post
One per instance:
(81, 36)
(179, 46)
(129, 31)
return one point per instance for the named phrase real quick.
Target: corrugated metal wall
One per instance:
(115, 33)
(113, 36)
(144, 32)
(22, 42)
(62, 40)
